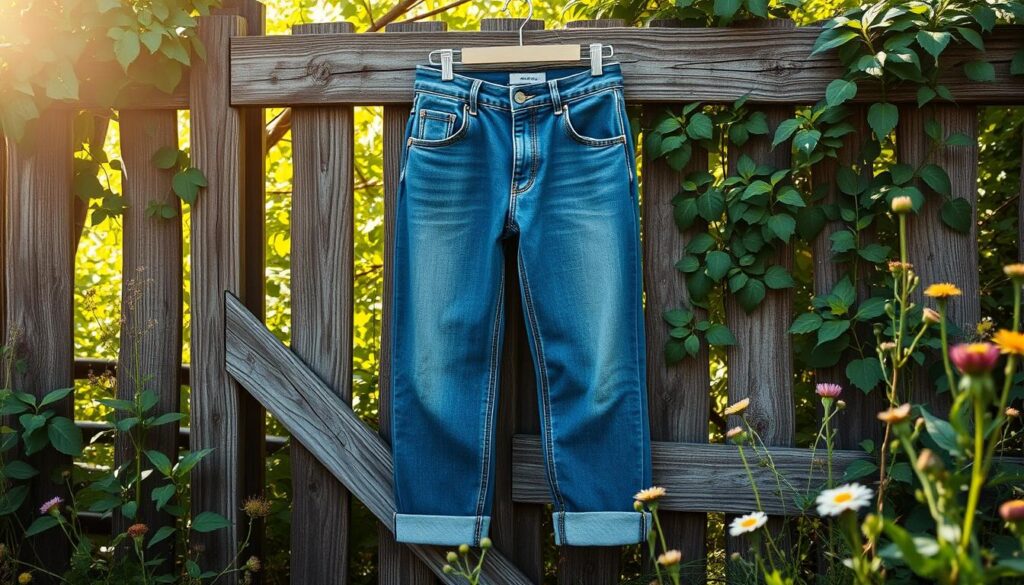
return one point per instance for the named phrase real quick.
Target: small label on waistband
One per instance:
(526, 78)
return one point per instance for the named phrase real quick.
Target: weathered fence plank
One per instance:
(151, 295)
(678, 395)
(938, 253)
(322, 280)
(700, 477)
(252, 418)
(858, 421)
(216, 267)
(659, 65)
(397, 564)
(316, 416)
(40, 284)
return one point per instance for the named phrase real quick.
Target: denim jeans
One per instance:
(544, 170)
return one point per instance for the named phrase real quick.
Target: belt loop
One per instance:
(556, 101)
(474, 92)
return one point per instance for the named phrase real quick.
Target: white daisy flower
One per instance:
(851, 496)
(748, 523)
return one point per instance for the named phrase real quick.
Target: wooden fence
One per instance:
(238, 368)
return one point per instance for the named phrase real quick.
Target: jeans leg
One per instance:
(448, 324)
(579, 267)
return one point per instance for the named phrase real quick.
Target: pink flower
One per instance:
(828, 390)
(974, 358)
(50, 505)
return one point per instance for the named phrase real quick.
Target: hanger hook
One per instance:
(529, 15)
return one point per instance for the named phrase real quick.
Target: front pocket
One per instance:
(435, 128)
(434, 125)
(582, 138)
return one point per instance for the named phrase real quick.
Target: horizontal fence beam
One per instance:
(92, 433)
(704, 478)
(659, 65)
(84, 368)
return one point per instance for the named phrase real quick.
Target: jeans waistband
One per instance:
(491, 88)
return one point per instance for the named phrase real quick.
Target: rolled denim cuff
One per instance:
(600, 528)
(441, 530)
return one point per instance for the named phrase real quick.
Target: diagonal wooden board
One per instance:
(328, 428)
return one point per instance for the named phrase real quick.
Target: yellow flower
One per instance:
(1014, 270)
(942, 290)
(650, 494)
(1009, 342)
(737, 407)
(669, 558)
(895, 415)
(25, 578)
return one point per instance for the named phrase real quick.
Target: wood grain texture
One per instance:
(3, 240)
(318, 418)
(254, 131)
(397, 564)
(1020, 208)
(938, 253)
(678, 396)
(217, 139)
(322, 280)
(40, 284)
(151, 296)
(659, 65)
(858, 420)
(700, 477)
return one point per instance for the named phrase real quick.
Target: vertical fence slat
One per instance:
(858, 421)
(216, 268)
(938, 253)
(151, 294)
(760, 365)
(3, 239)
(396, 563)
(678, 395)
(40, 277)
(322, 273)
(252, 417)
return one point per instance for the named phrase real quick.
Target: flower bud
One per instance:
(927, 461)
(840, 404)
(902, 204)
(1012, 511)
(452, 557)
(485, 543)
(448, 569)
(463, 549)
(930, 316)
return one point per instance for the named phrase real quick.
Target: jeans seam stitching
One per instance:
(534, 158)
(489, 405)
(546, 406)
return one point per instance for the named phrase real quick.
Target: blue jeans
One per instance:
(548, 165)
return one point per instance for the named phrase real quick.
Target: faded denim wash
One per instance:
(544, 171)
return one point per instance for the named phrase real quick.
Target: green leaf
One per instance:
(160, 535)
(688, 264)
(864, 373)
(18, 470)
(677, 317)
(163, 494)
(1017, 65)
(934, 42)
(718, 264)
(843, 241)
(700, 127)
(41, 524)
(65, 436)
(806, 323)
(126, 48)
(777, 278)
(711, 204)
(727, 8)
(159, 461)
(871, 308)
(935, 177)
(782, 226)
(979, 70)
(874, 253)
(972, 37)
(840, 91)
(751, 294)
(746, 166)
(859, 468)
(63, 83)
(832, 38)
(806, 140)
(186, 184)
(167, 417)
(883, 117)
(791, 197)
(675, 351)
(209, 521)
(941, 432)
(166, 157)
(700, 243)
(958, 215)
(719, 334)
(758, 8)
(54, 396)
(830, 330)
(12, 499)
(786, 129)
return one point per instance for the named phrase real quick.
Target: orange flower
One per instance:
(895, 415)
(650, 494)
(942, 290)
(1009, 341)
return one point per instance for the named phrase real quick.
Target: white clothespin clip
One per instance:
(596, 59)
(446, 65)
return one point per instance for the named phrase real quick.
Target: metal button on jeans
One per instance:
(520, 97)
